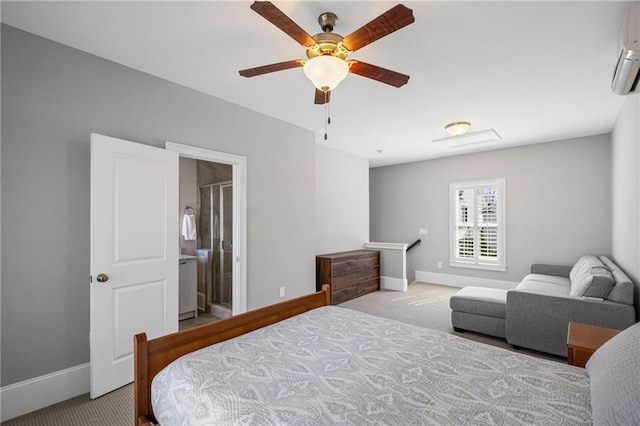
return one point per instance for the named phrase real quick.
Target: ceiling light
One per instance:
(482, 136)
(457, 128)
(326, 71)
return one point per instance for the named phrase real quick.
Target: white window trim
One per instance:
(501, 263)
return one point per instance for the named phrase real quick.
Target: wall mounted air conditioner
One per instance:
(627, 72)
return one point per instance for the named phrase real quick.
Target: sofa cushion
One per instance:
(480, 301)
(622, 291)
(613, 377)
(584, 265)
(545, 284)
(552, 279)
(591, 278)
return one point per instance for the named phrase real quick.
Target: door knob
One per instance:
(102, 278)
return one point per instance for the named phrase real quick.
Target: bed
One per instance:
(304, 362)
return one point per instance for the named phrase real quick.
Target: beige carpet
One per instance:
(112, 409)
(424, 305)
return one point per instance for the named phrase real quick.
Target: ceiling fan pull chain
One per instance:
(326, 119)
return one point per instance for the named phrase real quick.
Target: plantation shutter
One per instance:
(478, 225)
(465, 233)
(487, 205)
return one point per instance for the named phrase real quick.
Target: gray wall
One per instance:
(625, 165)
(187, 196)
(53, 97)
(558, 203)
(342, 201)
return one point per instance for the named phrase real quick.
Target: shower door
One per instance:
(216, 225)
(226, 246)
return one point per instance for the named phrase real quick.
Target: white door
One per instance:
(134, 254)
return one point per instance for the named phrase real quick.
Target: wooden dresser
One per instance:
(350, 274)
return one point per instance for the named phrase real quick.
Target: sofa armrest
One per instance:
(555, 270)
(540, 321)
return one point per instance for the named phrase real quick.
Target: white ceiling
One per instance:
(533, 71)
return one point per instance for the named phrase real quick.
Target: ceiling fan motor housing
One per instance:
(328, 44)
(327, 21)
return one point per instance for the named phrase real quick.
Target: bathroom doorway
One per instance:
(213, 185)
(206, 194)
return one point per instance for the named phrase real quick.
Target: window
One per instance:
(478, 225)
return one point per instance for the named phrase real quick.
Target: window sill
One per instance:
(483, 266)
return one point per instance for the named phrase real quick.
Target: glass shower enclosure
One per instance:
(216, 227)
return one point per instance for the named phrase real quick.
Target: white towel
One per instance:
(189, 227)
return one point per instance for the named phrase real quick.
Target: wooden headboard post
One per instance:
(326, 289)
(141, 385)
(151, 356)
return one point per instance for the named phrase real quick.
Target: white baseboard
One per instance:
(33, 394)
(394, 284)
(462, 281)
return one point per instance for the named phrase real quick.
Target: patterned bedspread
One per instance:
(338, 366)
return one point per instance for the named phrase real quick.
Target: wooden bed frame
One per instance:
(151, 356)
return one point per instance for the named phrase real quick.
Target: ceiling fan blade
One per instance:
(274, 15)
(392, 20)
(380, 74)
(322, 98)
(265, 69)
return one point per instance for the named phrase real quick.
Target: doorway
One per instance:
(222, 222)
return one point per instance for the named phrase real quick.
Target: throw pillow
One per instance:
(597, 282)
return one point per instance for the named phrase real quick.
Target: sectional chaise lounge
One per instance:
(537, 312)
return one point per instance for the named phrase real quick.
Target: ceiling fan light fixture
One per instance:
(457, 128)
(326, 71)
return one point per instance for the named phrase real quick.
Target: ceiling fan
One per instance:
(326, 65)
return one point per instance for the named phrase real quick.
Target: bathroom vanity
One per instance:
(187, 285)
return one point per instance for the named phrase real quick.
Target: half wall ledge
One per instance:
(393, 265)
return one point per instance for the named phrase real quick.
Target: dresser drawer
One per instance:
(344, 280)
(368, 286)
(368, 274)
(344, 265)
(367, 261)
(343, 295)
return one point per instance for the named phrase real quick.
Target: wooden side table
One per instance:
(584, 339)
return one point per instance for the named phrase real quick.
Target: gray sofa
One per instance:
(537, 312)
